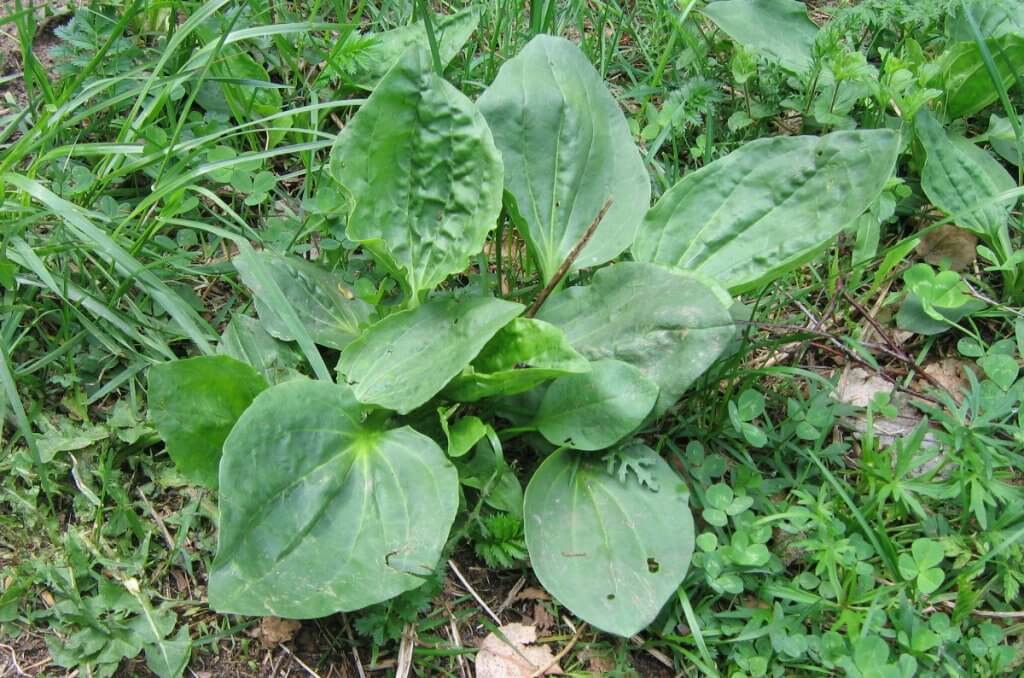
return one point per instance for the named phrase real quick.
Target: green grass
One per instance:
(125, 197)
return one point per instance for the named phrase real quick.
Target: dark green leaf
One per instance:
(194, 404)
(339, 516)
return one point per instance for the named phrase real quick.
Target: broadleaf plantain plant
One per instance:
(335, 496)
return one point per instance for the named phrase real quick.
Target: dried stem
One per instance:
(564, 268)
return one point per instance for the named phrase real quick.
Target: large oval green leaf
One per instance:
(610, 539)
(523, 354)
(779, 29)
(669, 324)
(595, 410)
(320, 514)
(959, 176)
(748, 216)
(964, 78)
(194, 403)
(325, 306)
(405, 359)
(567, 149)
(422, 172)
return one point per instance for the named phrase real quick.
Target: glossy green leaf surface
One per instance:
(404, 360)
(778, 29)
(959, 176)
(326, 307)
(609, 547)
(487, 468)
(422, 172)
(335, 520)
(597, 409)
(965, 80)
(245, 340)
(747, 217)
(567, 149)
(669, 324)
(378, 52)
(523, 354)
(194, 403)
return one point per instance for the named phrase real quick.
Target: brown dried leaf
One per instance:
(498, 659)
(947, 242)
(858, 387)
(542, 619)
(273, 631)
(533, 593)
(949, 373)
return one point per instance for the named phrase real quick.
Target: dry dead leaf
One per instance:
(273, 631)
(949, 373)
(542, 619)
(858, 387)
(533, 593)
(498, 659)
(948, 243)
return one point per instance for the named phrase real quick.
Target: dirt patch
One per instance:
(49, 17)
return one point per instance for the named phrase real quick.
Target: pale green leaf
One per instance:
(339, 516)
(778, 29)
(405, 359)
(326, 308)
(523, 354)
(961, 182)
(245, 340)
(671, 325)
(567, 149)
(378, 52)
(613, 552)
(754, 214)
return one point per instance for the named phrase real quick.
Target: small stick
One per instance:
(573, 253)
(300, 662)
(511, 597)
(359, 663)
(561, 653)
(405, 651)
(14, 660)
(479, 600)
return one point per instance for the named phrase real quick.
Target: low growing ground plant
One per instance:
(340, 491)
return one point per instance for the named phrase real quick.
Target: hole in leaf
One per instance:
(653, 566)
(611, 596)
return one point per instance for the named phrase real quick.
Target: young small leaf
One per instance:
(597, 409)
